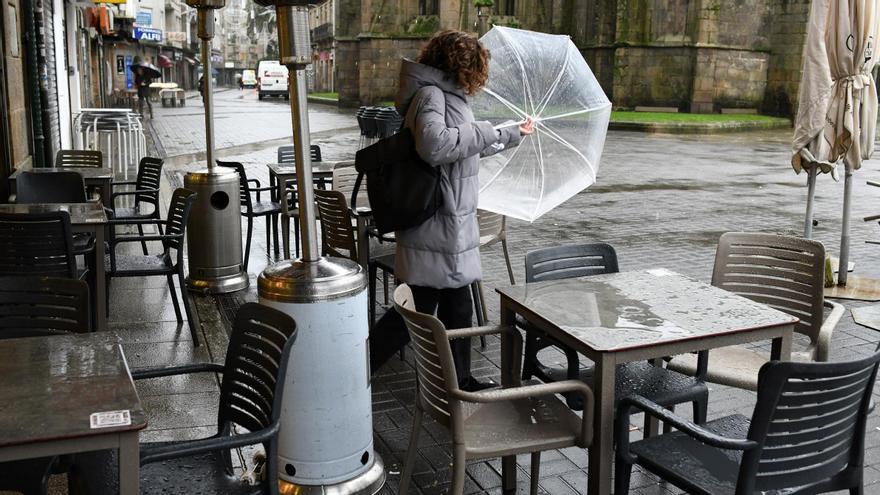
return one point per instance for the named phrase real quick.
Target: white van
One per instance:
(248, 79)
(272, 79)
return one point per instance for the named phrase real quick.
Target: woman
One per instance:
(441, 258)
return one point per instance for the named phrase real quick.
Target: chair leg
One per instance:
(268, 235)
(478, 309)
(857, 490)
(296, 237)
(700, 411)
(483, 301)
(247, 244)
(622, 472)
(174, 298)
(372, 293)
(507, 260)
(536, 473)
(530, 354)
(459, 463)
(275, 230)
(190, 315)
(385, 286)
(143, 243)
(411, 452)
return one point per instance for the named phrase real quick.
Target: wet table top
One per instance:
(91, 213)
(88, 173)
(52, 385)
(628, 310)
(317, 167)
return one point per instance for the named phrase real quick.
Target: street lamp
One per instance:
(214, 230)
(483, 9)
(326, 438)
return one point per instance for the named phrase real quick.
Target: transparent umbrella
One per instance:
(544, 77)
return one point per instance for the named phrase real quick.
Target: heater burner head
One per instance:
(287, 3)
(206, 4)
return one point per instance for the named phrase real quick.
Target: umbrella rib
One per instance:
(542, 175)
(550, 92)
(506, 103)
(565, 143)
(527, 90)
(576, 112)
(500, 169)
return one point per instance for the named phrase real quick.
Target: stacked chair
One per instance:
(377, 123)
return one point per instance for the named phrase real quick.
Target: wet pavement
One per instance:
(661, 201)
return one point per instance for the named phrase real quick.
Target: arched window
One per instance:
(429, 7)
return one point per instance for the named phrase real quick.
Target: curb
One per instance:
(693, 128)
(323, 101)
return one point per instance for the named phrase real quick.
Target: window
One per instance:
(506, 7)
(429, 7)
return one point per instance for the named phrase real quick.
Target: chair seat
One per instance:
(83, 243)
(386, 262)
(204, 473)
(143, 211)
(691, 464)
(262, 208)
(501, 428)
(134, 265)
(736, 366)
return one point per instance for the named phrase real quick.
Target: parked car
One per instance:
(249, 79)
(273, 79)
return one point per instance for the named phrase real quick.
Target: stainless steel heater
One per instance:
(214, 230)
(326, 438)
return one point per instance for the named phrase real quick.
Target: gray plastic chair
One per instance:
(489, 423)
(145, 192)
(42, 306)
(785, 273)
(79, 158)
(806, 435)
(251, 209)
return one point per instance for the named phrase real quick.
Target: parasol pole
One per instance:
(844, 231)
(811, 192)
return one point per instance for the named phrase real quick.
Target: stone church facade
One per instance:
(694, 55)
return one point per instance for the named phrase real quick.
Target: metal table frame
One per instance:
(601, 452)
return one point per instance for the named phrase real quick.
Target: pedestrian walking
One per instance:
(202, 88)
(440, 258)
(142, 80)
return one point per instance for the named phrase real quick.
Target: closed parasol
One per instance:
(543, 77)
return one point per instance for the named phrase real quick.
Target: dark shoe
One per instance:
(471, 384)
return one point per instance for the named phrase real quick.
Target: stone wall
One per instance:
(17, 118)
(379, 66)
(653, 76)
(786, 57)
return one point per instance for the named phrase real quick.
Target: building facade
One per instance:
(321, 24)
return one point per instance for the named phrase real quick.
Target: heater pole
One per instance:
(205, 18)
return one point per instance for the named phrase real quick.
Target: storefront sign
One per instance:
(144, 18)
(229, 65)
(120, 64)
(216, 59)
(148, 34)
(176, 36)
(129, 79)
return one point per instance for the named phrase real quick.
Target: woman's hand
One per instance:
(526, 127)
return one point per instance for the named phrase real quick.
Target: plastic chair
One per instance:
(489, 423)
(135, 265)
(145, 192)
(643, 378)
(338, 238)
(79, 158)
(785, 273)
(286, 153)
(493, 229)
(806, 435)
(49, 187)
(42, 306)
(251, 395)
(37, 244)
(251, 209)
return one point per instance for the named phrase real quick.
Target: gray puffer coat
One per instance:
(444, 252)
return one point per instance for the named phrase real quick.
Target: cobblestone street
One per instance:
(660, 200)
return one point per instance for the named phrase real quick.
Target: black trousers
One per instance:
(455, 308)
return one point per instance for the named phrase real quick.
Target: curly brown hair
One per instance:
(459, 54)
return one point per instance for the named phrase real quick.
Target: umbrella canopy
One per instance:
(545, 78)
(150, 70)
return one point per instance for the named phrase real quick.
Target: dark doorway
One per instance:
(429, 7)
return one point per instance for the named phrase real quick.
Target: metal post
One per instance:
(811, 192)
(205, 18)
(843, 266)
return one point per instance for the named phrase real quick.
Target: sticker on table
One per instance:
(660, 272)
(109, 419)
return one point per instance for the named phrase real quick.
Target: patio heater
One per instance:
(214, 230)
(326, 437)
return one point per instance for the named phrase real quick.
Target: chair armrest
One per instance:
(460, 333)
(823, 341)
(145, 373)
(255, 181)
(139, 238)
(186, 448)
(136, 221)
(624, 409)
(123, 183)
(132, 193)
(543, 389)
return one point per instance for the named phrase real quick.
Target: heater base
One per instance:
(367, 483)
(219, 285)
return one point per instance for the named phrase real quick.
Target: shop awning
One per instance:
(190, 61)
(164, 62)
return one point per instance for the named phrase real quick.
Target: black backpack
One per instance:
(403, 189)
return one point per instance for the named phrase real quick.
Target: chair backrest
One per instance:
(37, 244)
(39, 306)
(337, 233)
(244, 193)
(491, 226)
(49, 187)
(149, 177)
(79, 158)
(286, 153)
(255, 368)
(178, 216)
(783, 272)
(809, 422)
(579, 260)
(343, 181)
(435, 368)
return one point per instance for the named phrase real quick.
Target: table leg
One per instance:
(107, 193)
(652, 424)
(363, 243)
(285, 234)
(602, 449)
(129, 463)
(100, 281)
(781, 347)
(510, 377)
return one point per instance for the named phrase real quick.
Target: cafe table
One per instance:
(67, 394)
(282, 173)
(618, 318)
(84, 217)
(100, 177)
